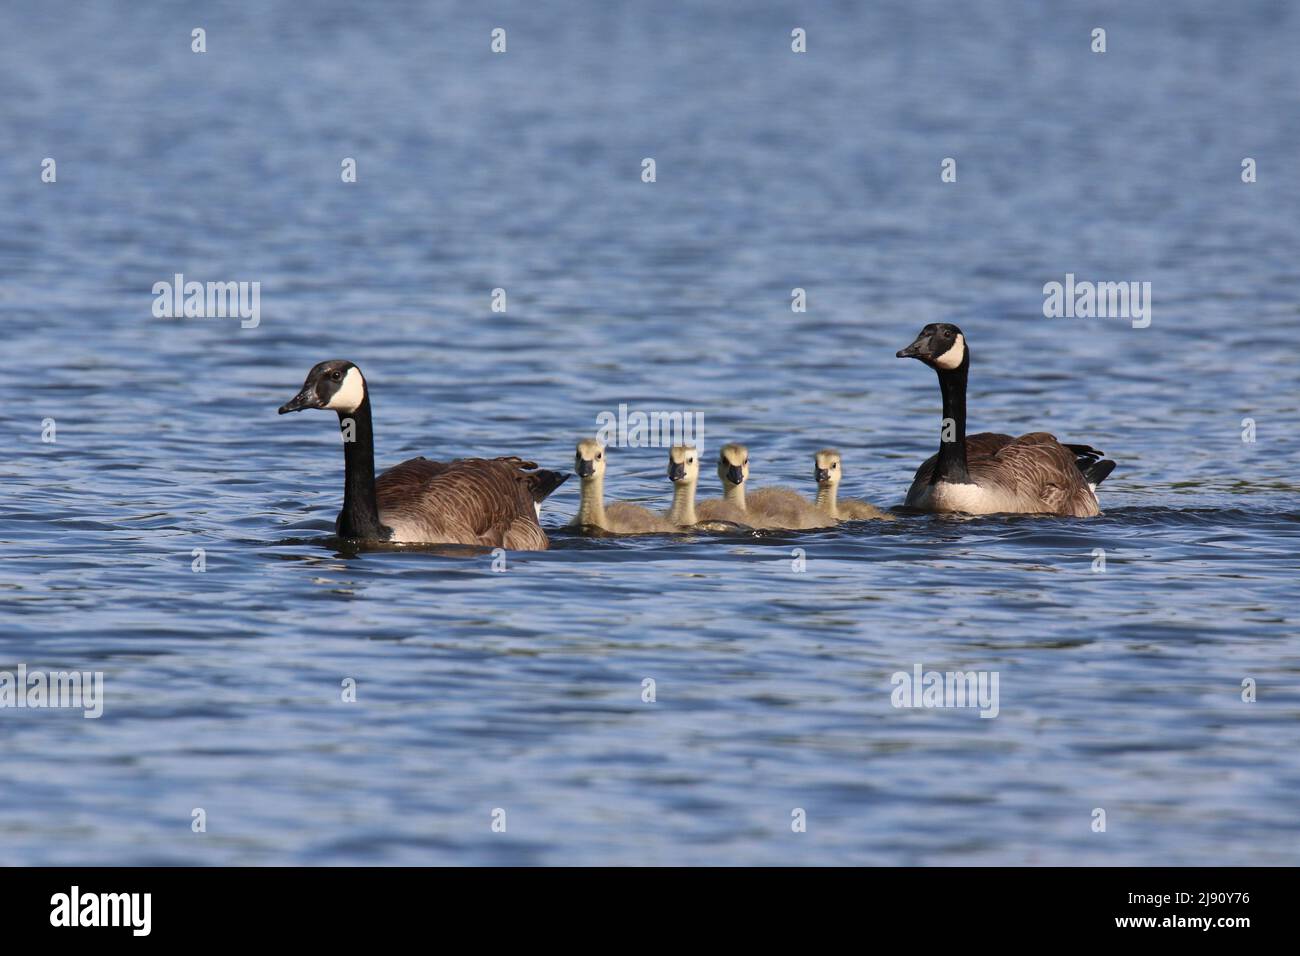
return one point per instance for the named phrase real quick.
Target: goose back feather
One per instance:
(1032, 474)
(485, 501)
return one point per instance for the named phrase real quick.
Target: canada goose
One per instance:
(620, 517)
(774, 508)
(491, 502)
(684, 473)
(990, 473)
(733, 466)
(827, 472)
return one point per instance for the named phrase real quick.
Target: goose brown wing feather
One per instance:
(482, 501)
(1038, 468)
(1035, 469)
(523, 535)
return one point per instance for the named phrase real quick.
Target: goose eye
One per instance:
(690, 461)
(336, 375)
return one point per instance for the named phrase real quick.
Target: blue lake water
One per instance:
(522, 690)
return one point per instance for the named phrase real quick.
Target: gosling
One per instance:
(827, 472)
(684, 473)
(620, 517)
(733, 460)
(773, 508)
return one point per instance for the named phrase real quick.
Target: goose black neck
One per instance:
(951, 465)
(360, 515)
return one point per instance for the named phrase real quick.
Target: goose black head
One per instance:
(826, 467)
(337, 385)
(589, 459)
(733, 464)
(683, 464)
(940, 345)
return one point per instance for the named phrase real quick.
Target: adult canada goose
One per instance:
(684, 473)
(990, 473)
(621, 517)
(777, 507)
(492, 502)
(827, 472)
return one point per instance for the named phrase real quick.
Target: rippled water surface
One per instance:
(522, 690)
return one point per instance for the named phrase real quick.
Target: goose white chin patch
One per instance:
(953, 357)
(351, 393)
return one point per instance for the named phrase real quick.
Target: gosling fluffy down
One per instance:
(684, 473)
(618, 518)
(828, 471)
(770, 508)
